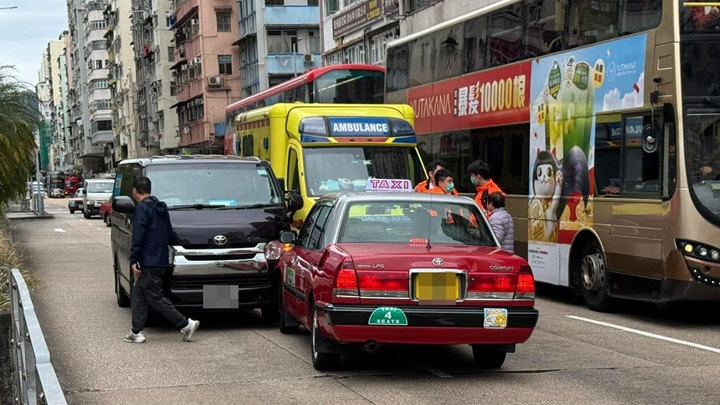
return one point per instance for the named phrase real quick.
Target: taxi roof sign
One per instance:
(389, 185)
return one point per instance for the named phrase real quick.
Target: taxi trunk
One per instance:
(454, 275)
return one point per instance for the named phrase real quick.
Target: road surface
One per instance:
(641, 355)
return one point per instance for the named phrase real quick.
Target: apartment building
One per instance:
(89, 102)
(277, 40)
(205, 70)
(156, 86)
(44, 99)
(52, 69)
(63, 152)
(358, 31)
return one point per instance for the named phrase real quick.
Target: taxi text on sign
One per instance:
(494, 97)
(388, 185)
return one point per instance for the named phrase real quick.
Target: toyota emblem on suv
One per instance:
(438, 261)
(220, 240)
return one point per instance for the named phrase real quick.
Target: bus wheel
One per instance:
(594, 280)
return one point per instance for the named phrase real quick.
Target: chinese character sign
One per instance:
(496, 97)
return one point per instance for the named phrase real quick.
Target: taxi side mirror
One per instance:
(288, 237)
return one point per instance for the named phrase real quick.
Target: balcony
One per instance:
(191, 89)
(102, 137)
(288, 63)
(184, 7)
(296, 16)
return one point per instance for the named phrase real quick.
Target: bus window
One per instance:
(248, 147)
(607, 155)
(475, 45)
(293, 171)
(505, 33)
(544, 32)
(641, 169)
(348, 86)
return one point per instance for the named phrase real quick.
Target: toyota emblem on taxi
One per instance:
(438, 261)
(220, 240)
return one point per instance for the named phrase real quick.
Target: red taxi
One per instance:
(407, 268)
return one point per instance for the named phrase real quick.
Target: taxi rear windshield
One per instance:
(416, 223)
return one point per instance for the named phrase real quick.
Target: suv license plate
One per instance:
(220, 297)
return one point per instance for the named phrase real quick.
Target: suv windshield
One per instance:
(213, 184)
(100, 187)
(331, 169)
(403, 222)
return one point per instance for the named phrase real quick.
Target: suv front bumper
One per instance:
(240, 275)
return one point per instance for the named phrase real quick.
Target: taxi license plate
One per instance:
(437, 286)
(220, 297)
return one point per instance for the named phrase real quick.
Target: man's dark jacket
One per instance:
(151, 234)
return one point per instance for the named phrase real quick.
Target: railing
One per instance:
(35, 381)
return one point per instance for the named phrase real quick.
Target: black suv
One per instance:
(224, 210)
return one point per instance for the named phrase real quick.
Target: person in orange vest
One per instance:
(444, 183)
(480, 177)
(429, 185)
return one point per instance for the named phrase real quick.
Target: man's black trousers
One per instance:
(148, 294)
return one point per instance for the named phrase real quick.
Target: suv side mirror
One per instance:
(295, 201)
(84, 192)
(288, 237)
(123, 204)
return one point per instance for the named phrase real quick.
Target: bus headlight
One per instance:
(698, 250)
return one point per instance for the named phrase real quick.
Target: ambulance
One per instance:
(317, 149)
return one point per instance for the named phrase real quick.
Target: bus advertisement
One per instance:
(318, 149)
(349, 84)
(582, 130)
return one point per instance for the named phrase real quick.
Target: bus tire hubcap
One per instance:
(593, 272)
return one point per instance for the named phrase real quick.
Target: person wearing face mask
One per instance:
(443, 183)
(480, 177)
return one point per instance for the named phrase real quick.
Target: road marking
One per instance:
(647, 334)
(60, 230)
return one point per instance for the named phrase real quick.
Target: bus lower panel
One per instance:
(656, 290)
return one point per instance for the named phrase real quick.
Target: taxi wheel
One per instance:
(487, 358)
(322, 361)
(286, 329)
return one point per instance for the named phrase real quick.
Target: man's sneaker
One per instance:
(189, 329)
(135, 337)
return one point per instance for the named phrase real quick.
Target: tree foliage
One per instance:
(19, 119)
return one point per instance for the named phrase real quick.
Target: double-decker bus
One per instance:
(600, 119)
(55, 180)
(344, 84)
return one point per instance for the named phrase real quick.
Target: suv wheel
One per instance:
(123, 299)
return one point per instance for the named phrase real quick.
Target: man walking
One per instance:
(149, 259)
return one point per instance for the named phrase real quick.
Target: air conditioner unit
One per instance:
(308, 58)
(186, 130)
(184, 67)
(214, 81)
(194, 21)
(196, 60)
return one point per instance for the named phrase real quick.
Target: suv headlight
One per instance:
(91, 202)
(274, 250)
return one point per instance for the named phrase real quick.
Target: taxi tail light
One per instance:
(525, 289)
(492, 286)
(384, 284)
(346, 283)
